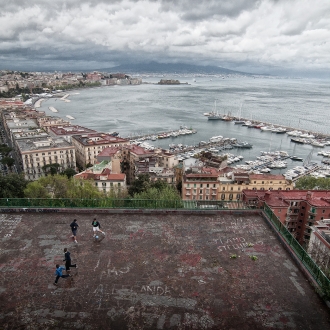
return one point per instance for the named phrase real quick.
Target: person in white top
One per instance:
(96, 227)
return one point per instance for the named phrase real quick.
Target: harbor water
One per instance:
(151, 108)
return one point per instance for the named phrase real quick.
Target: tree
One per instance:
(79, 188)
(5, 150)
(8, 161)
(167, 193)
(69, 172)
(51, 169)
(309, 182)
(12, 186)
(60, 186)
(140, 184)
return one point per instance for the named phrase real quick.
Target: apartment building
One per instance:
(298, 210)
(228, 185)
(48, 122)
(319, 244)
(104, 179)
(201, 186)
(66, 132)
(88, 146)
(112, 155)
(37, 152)
(137, 160)
(166, 159)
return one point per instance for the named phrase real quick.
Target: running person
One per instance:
(58, 273)
(74, 227)
(68, 260)
(96, 227)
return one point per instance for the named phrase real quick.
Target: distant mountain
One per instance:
(179, 68)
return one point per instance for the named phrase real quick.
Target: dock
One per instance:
(53, 109)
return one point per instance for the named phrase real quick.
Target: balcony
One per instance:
(290, 214)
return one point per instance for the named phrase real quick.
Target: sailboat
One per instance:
(239, 121)
(214, 115)
(294, 157)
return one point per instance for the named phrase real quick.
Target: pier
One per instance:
(52, 109)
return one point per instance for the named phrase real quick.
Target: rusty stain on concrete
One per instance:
(152, 271)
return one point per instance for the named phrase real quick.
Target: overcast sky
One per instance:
(246, 35)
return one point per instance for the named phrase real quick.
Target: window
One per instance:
(279, 211)
(200, 197)
(222, 196)
(200, 191)
(231, 188)
(323, 211)
(104, 184)
(223, 188)
(230, 196)
(118, 184)
(207, 185)
(201, 185)
(95, 184)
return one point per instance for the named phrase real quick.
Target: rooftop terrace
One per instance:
(152, 270)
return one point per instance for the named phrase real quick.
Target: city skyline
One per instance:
(268, 37)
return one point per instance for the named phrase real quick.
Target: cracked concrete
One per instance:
(152, 271)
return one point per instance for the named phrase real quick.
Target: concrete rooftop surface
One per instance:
(152, 271)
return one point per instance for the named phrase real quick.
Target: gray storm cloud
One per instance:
(241, 34)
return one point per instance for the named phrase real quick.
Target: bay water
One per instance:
(150, 108)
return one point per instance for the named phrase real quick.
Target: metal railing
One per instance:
(119, 203)
(300, 252)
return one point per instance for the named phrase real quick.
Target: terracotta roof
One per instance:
(109, 151)
(267, 176)
(318, 198)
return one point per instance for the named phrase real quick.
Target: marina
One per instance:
(150, 114)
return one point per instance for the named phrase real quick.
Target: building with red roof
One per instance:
(104, 178)
(88, 146)
(298, 210)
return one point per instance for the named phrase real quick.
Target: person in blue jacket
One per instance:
(58, 273)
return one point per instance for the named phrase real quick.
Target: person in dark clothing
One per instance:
(58, 273)
(67, 260)
(74, 227)
(96, 227)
